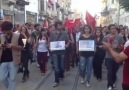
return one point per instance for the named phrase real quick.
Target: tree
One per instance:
(124, 4)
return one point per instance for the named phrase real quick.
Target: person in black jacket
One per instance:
(99, 55)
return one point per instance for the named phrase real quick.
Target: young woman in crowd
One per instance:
(42, 50)
(18, 28)
(86, 57)
(26, 53)
(99, 55)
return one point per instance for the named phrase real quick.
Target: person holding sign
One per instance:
(86, 57)
(58, 55)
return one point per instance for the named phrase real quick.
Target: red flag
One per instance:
(45, 24)
(78, 22)
(69, 24)
(90, 21)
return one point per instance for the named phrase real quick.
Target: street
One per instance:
(71, 82)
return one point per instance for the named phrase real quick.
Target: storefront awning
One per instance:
(22, 2)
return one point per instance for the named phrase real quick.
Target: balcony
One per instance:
(62, 9)
(43, 13)
(9, 2)
(22, 2)
(105, 11)
(112, 7)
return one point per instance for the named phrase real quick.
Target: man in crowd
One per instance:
(35, 34)
(112, 67)
(58, 56)
(10, 54)
(120, 57)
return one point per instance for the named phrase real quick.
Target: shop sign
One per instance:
(7, 12)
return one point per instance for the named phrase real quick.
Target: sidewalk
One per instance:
(34, 80)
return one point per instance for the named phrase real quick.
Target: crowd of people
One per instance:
(20, 44)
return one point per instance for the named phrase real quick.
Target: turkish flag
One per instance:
(90, 21)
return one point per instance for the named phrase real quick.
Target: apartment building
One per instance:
(112, 13)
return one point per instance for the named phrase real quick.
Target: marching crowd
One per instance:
(20, 44)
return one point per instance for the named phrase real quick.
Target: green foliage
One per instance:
(124, 4)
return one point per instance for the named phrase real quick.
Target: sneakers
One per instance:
(56, 85)
(42, 74)
(87, 84)
(114, 86)
(110, 88)
(38, 65)
(82, 81)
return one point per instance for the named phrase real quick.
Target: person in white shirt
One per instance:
(42, 50)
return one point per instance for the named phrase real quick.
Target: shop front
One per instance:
(31, 17)
(8, 15)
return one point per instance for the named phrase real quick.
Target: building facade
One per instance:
(13, 10)
(112, 13)
(34, 11)
(31, 11)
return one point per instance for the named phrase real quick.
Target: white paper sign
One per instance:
(24, 41)
(86, 45)
(57, 45)
(78, 36)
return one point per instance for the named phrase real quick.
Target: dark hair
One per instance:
(111, 25)
(101, 36)
(40, 36)
(6, 26)
(26, 24)
(26, 33)
(36, 25)
(88, 27)
(57, 22)
(42, 29)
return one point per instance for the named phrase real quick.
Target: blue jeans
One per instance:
(8, 73)
(35, 55)
(86, 65)
(58, 66)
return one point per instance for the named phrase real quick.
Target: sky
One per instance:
(93, 6)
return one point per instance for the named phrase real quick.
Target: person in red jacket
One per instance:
(120, 57)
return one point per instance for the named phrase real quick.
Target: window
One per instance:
(42, 5)
(112, 1)
(53, 7)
